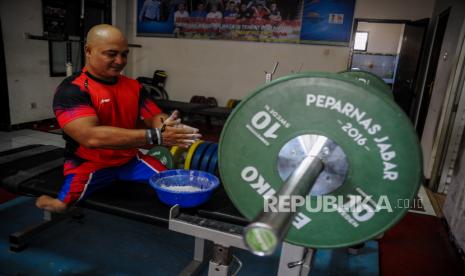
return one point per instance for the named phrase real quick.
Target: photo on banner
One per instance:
(254, 20)
(327, 22)
(155, 17)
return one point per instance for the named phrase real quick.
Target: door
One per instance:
(408, 64)
(4, 101)
(424, 99)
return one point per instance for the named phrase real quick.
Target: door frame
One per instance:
(368, 20)
(450, 123)
(5, 120)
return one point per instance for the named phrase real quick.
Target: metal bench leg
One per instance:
(221, 261)
(19, 240)
(196, 265)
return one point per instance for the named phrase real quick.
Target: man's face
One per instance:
(106, 58)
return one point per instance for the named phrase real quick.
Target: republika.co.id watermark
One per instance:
(332, 203)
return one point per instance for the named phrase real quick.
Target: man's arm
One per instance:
(87, 132)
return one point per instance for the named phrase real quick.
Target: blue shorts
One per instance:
(78, 186)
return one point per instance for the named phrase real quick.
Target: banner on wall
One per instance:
(327, 21)
(253, 20)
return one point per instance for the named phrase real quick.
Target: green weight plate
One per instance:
(380, 145)
(163, 155)
(369, 79)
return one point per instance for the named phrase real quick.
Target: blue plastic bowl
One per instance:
(168, 186)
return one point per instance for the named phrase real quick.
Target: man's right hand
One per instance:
(180, 135)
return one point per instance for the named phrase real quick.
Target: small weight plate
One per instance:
(190, 154)
(377, 139)
(163, 155)
(213, 164)
(369, 79)
(207, 156)
(198, 155)
(178, 154)
(229, 103)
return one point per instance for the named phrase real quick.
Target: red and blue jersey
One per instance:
(120, 103)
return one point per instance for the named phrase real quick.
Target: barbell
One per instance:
(320, 160)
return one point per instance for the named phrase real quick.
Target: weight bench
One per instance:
(218, 112)
(185, 108)
(36, 170)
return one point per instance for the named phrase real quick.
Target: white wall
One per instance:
(383, 38)
(223, 69)
(26, 62)
(232, 69)
(394, 9)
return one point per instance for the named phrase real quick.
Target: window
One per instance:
(361, 41)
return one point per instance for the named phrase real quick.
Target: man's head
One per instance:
(106, 51)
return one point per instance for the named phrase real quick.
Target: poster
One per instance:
(327, 21)
(255, 20)
(290, 21)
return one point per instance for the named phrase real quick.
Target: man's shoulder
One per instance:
(70, 83)
(70, 88)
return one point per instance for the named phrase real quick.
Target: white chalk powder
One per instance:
(187, 188)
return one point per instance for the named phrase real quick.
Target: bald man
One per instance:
(100, 112)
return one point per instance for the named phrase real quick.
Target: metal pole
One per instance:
(269, 229)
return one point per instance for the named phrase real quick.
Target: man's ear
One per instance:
(87, 50)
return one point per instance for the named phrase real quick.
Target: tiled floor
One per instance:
(24, 137)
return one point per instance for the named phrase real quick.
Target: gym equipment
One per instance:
(207, 156)
(232, 103)
(185, 108)
(369, 79)
(203, 156)
(199, 155)
(350, 137)
(198, 99)
(365, 146)
(159, 78)
(163, 155)
(269, 76)
(178, 154)
(210, 101)
(156, 92)
(186, 188)
(190, 154)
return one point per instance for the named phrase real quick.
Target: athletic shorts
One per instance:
(83, 182)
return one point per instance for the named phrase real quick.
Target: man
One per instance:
(200, 12)
(99, 111)
(150, 11)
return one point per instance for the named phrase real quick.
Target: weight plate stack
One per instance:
(211, 151)
(190, 154)
(199, 155)
(383, 156)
